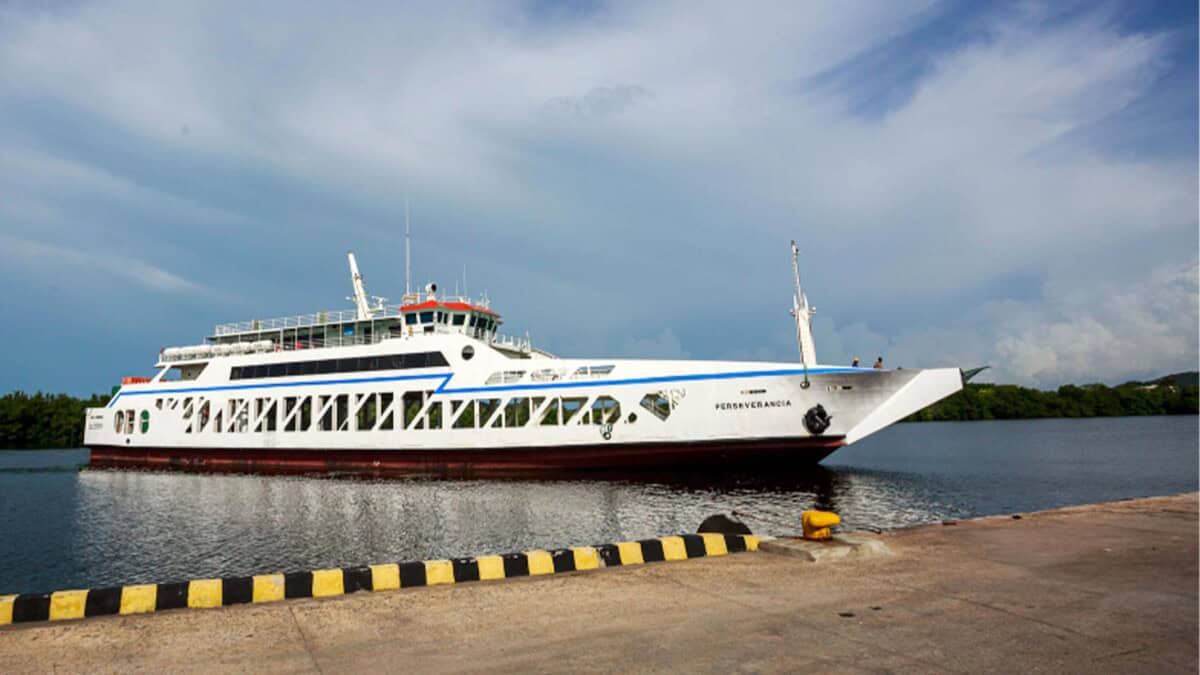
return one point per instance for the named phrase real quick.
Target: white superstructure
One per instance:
(432, 385)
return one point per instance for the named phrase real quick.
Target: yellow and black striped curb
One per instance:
(139, 599)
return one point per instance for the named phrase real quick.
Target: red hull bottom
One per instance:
(507, 461)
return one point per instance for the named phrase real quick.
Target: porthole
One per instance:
(632, 417)
(468, 352)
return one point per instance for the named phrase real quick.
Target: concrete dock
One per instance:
(1102, 588)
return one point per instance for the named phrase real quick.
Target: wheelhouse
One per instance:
(433, 316)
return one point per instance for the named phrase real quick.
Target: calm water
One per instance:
(64, 528)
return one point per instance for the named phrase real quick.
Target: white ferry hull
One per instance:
(450, 420)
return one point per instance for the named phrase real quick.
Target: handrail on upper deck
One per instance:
(316, 319)
(510, 342)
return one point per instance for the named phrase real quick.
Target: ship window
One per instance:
(412, 402)
(365, 413)
(472, 321)
(202, 415)
(385, 406)
(264, 413)
(235, 373)
(306, 413)
(606, 409)
(505, 377)
(571, 408)
(488, 407)
(459, 319)
(289, 413)
(467, 419)
(410, 319)
(551, 418)
(325, 423)
(658, 404)
(592, 371)
(369, 363)
(426, 317)
(516, 413)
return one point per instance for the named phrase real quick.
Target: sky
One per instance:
(1011, 184)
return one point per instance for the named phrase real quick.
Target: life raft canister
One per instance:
(817, 420)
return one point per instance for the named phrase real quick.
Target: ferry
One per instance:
(431, 386)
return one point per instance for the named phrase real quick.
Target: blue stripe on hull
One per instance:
(446, 377)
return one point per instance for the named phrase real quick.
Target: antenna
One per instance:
(407, 256)
(466, 293)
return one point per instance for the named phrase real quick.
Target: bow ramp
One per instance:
(924, 387)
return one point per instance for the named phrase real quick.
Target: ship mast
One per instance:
(407, 256)
(803, 314)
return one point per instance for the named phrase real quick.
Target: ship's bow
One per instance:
(922, 389)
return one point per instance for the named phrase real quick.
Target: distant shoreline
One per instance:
(1171, 395)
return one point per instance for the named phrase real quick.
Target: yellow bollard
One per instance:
(816, 524)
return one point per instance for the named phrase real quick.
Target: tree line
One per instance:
(1010, 402)
(29, 421)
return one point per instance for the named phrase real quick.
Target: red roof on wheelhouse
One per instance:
(459, 306)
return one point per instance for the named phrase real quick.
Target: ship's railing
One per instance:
(513, 343)
(322, 318)
(300, 321)
(258, 347)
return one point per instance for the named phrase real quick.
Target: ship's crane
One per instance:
(361, 303)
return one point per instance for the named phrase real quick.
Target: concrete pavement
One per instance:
(1104, 588)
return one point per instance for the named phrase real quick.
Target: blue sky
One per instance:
(1012, 184)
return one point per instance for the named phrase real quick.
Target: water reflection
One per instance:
(189, 524)
(63, 529)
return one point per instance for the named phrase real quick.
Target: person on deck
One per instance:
(879, 363)
(855, 363)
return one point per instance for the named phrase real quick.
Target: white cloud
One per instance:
(653, 160)
(52, 260)
(1137, 331)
